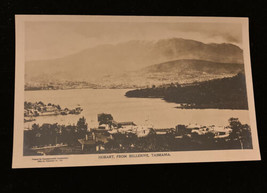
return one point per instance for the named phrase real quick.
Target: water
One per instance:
(139, 110)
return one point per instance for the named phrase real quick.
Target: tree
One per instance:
(81, 124)
(240, 133)
(104, 118)
(246, 136)
(58, 107)
(203, 141)
(41, 103)
(81, 127)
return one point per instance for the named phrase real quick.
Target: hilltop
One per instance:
(187, 65)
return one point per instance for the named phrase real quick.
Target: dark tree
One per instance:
(81, 127)
(104, 118)
(240, 133)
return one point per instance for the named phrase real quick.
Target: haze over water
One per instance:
(142, 111)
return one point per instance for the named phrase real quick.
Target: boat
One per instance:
(29, 119)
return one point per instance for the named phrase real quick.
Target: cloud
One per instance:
(57, 39)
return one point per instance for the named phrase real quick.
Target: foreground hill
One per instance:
(225, 93)
(190, 65)
(182, 71)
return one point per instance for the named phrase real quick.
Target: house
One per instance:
(94, 140)
(87, 143)
(127, 129)
(221, 132)
(128, 123)
(163, 131)
(188, 129)
(143, 131)
(103, 127)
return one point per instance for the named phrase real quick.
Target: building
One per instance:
(94, 141)
(127, 123)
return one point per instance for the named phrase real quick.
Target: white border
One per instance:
(20, 161)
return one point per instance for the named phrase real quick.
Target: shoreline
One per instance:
(203, 108)
(79, 89)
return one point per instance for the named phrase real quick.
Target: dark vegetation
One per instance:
(52, 134)
(225, 93)
(39, 109)
(240, 138)
(49, 135)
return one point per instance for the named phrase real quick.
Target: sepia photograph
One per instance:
(111, 90)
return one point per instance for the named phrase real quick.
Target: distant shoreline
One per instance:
(77, 89)
(223, 108)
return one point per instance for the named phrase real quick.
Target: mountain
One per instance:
(104, 60)
(178, 48)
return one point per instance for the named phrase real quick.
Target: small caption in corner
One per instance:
(52, 159)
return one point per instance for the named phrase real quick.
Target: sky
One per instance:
(48, 40)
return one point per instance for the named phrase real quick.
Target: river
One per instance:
(139, 110)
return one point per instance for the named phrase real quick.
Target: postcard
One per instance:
(116, 90)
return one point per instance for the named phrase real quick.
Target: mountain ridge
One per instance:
(104, 59)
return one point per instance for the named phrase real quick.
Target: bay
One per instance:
(142, 111)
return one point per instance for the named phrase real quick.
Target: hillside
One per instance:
(225, 93)
(182, 71)
(188, 65)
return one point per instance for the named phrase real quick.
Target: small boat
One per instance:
(63, 113)
(29, 120)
